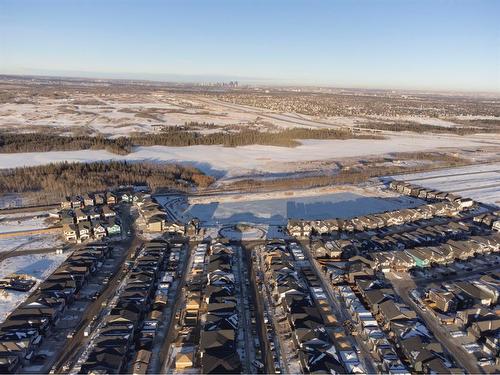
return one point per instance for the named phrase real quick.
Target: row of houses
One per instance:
(471, 309)
(370, 331)
(442, 254)
(416, 345)
(460, 295)
(490, 219)
(188, 336)
(78, 215)
(417, 191)
(89, 200)
(24, 329)
(207, 338)
(127, 332)
(426, 235)
(304, 228)
(91, 230)
(218, 346)
(321, 343)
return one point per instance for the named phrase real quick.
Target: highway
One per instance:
(262, 112)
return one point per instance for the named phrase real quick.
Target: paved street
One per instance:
(403, 287)
(340, 311)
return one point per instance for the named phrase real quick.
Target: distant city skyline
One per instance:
(387, 44)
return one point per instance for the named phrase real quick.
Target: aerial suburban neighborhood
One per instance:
(144, 289)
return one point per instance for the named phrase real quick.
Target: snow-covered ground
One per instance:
(419, 120)
(36, 241)
(247, 234)
(38, 266)
(21, 224)
(276, 211)
(479, 182)
(16, 222)
(236, 161)
(122, 114)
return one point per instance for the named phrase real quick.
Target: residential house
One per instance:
(155, 222)
(113, 227)
(99, 230)
(105, 361)
(66, 203)
(80, 215)
(443, 300)
(110, 198)
(76, 201)
(173, 227)
(107, 212)
(141, 362)
(84, 231)
(479, 295)
(184, 359)
(127, 197)
(70, 232)
(88, 200)
(93, 213)
(99, 199)
(495, 225)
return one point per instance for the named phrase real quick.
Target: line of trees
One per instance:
(38, 142)
(245, 137)
(72, 178)
(174, 136)
(352, 176)
(416, 127)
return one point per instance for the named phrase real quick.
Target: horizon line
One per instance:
(217, 78)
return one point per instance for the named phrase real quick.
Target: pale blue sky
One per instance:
(422, 44)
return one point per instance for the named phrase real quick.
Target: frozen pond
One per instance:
(278, 211)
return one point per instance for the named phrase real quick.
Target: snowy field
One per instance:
(16, 222)
(236, 161)
(122, 114)
(38, 266)
(479, 182)
(31, 242)
(9, 224)
(278, 211)
(119, 116)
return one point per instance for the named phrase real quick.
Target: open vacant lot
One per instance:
(479, 182)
